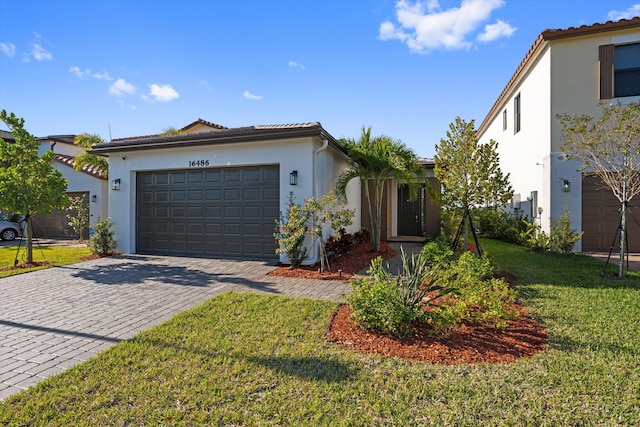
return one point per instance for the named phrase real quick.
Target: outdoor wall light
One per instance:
(94, 198)
(566, 185)
(115, 184)
(293, 178)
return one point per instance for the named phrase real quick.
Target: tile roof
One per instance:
(205, 123)
(258, 133)
(68, 161)
(555, 34)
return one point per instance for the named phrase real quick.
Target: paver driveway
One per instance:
(56, 318)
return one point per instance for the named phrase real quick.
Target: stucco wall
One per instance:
(523, 154)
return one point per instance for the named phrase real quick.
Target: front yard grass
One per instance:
(246, 359)
(53, 255)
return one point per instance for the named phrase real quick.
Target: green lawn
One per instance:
(55, 255)
(249, 360)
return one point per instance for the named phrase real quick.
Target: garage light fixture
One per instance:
(115, 184)
(94, 198)
(293, 178)
(566, 185)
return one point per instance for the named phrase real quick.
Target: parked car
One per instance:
(10, 226)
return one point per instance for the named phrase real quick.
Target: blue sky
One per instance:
(407, 68)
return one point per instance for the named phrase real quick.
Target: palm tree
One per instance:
(98, 163)
(375, 160)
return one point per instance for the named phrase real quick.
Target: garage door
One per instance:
(221, 212)
(56, 224)
(601, 217)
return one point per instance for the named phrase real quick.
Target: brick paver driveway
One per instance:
(56, 318)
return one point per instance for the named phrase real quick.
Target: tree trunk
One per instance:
(367, 193)
(377, 225)
(29, 225)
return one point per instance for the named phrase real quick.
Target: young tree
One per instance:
(610, 147)
(98, 163)
(469, 172)
(29, 184)
(375, 160)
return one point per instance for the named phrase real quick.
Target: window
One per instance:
(504, 119)
(619, 70)
(626, 66)
(516, 114)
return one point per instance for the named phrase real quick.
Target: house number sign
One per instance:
(197, 163)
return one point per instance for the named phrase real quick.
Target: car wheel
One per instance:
(8, 234)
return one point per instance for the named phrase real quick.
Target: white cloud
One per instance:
(425, 26)
(633, 11)
(78, 72)
(495, 31)
(8, 49)
(40, 54)
(294, 64)
(103, 76)
(120, 88)
(249, 95)
(164, 93)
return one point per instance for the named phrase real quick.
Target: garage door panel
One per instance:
(232, 176)
(161, 196)
(224, 212)
(213, 195)
(232, 195)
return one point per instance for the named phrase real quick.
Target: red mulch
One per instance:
(27, 265)
(469, 343)
(358, 259)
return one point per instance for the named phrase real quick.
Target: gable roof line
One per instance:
(555, 34)
(203, 122)
(68, 161)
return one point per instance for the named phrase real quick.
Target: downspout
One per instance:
(325, 145)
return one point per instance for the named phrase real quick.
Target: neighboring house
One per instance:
(215, 191)
(566, 71)
(87, 183)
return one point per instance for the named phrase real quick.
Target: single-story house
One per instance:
(214, 191)
(88, 183)
(566, 71)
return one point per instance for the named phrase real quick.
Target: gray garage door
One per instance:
(601, 217)
(221, 212)
(56, 224)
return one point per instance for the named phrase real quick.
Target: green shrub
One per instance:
(102, 242)
(500, 225)
(563, 236)
(377, 304)
(290, 232)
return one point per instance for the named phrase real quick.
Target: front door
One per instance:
(410, 214)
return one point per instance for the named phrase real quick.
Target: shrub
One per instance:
(390, 303)
(102, 242)
(500, 225)
(362, 236)
(477, 295)
(340, 244)
(563, 236)
(377, 305)
(79, 216)
(290, 233)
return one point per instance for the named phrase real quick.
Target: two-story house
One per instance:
(569, 71)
